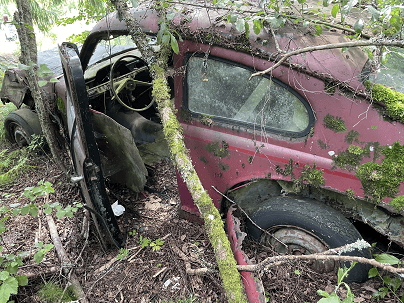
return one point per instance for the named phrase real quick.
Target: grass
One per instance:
(52, 293)
(4, 111)
(12, 161)
(190, 299)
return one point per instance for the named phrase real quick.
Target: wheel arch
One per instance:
(252, 195)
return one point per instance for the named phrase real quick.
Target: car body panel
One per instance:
(232, 156)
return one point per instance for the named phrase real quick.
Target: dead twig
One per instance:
(64, 259)
(188, 269)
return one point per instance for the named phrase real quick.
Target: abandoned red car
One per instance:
(301, 150)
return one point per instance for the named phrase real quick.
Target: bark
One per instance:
(26, 29)
(172, 130)
(28, 56)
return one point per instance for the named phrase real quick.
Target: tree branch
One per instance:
(329, 46)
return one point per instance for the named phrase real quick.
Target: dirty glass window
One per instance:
(114, 45)
(220, 89)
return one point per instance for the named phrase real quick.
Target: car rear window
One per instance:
(221, 89)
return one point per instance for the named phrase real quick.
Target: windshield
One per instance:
(110, 47)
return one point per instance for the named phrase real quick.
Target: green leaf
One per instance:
(44, 71)
(373, 272)
(24, 210)
(4, 275)
(374, 12)
(170, 16)
(54, 80)
(47, 210)
(9, 287)
(323, 293)
(238, 3)
(42, 83)
(33, 210)
(331, 299)
(247, 29)
(38, 257)
(166, 38)
(358, 26)
(319, 30)
(257, 26)
(335, 10)
(23, 66)
(297, 272)
(326, 3)
(387, 259)
(22, 280)
(48, 247)
(174, 44)
(240, 25)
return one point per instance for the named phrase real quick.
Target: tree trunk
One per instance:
(27, 39)
(173, 133)
(26, 25)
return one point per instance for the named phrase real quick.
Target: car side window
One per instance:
(221, 89)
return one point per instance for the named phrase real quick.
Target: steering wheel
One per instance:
(126, 82)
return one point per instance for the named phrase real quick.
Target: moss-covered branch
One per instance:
(173, 133)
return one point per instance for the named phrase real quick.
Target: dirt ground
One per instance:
(144, 275)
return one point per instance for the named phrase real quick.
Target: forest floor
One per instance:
(144, 275)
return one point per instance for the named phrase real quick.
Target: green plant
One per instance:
(50, 292)
(156, 245)
(333, 297)
(60, 211)
(9, 264)
(390, 284)
(132, 233)
(123, 253)
(144, 242)
(40, 254)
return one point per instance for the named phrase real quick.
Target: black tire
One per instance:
(287, 215)
(21, 125)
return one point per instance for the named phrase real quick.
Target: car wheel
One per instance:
(307, 226)
(21, 125)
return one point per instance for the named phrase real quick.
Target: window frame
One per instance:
(232, 122)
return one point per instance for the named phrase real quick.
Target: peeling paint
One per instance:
(322, 144)
(223, 166)
(203, 159)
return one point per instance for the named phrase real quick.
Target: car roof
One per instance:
(343, 66)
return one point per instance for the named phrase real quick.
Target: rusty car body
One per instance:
(285, 147)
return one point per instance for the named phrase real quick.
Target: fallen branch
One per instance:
(279, 260)
(268, 262)
(188, 269)
(330, 46)
(64, 259)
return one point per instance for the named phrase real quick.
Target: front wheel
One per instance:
(306, 227)
(21, 125)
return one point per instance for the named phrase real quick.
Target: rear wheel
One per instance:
(306, 227)
(21, 125)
